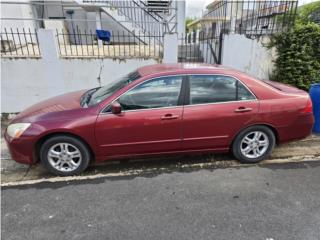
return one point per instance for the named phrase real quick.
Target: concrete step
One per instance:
(115, 15)
(121, 19)
(190, 53)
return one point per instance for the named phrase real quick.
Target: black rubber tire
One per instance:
(85, 154)
(236, 144)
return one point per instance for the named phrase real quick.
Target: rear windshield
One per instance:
(271, 84)
(111, 88)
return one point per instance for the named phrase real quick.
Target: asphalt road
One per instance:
(280, 201)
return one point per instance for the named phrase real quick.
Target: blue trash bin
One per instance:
(103, 35)
(315, 96)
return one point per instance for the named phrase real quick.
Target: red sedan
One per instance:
(161, 109)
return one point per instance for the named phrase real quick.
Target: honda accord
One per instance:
(159, 110)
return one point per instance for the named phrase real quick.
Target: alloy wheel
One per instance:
(254, 144)
(64, 157)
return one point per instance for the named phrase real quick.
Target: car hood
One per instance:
(68, 101)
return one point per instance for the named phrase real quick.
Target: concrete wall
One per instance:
(27, 81)
(248, 55)
(17, 11)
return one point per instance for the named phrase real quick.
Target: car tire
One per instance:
(64, 155)
(253, 144)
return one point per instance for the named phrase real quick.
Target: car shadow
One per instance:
(127, 169)
(151, 167)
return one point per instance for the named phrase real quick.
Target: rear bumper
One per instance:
(21, 150)
(299, 129)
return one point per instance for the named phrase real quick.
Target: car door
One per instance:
(150, 121)
(216, 109)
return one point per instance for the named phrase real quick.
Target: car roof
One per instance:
(171, 68)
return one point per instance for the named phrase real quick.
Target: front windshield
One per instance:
(106, 91)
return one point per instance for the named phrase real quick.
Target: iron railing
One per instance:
(122, 45)
(140, 15)
(136, 14)
(251, 17)
(133, 16)
(19, 43)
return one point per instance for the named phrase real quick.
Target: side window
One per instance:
(244, 93)
(157, 93)
(212, 89)
(216, 88)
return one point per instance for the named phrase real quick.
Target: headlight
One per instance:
(15, 130)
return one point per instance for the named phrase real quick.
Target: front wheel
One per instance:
(253, 144)
(64, 155)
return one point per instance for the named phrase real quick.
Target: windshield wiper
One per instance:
(85, 99)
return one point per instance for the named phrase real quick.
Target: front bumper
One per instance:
(21, 149)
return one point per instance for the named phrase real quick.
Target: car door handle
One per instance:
(169, 116)
(243, 109)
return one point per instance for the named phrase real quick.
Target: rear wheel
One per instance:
(253, 144)
(64, 155)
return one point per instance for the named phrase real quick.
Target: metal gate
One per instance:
(252, 18)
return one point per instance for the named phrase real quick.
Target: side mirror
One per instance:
(116, 108)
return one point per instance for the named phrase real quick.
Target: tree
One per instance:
(307, 12)
(188, 21)
(298, 50)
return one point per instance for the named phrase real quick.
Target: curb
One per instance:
(216, 165)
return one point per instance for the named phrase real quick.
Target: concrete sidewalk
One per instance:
(292, 152)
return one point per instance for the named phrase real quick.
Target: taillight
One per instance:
(308, 108)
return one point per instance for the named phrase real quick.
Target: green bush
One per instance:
(298, 56)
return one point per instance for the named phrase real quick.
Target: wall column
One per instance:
(51, 65)
(170, 48)
(99, 25)
(181, 17)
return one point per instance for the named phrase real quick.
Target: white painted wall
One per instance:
(248, 55)
(23, 11)
(28, 81)
(17, 11)
(170, 48)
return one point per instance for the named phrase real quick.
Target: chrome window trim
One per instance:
(215, 103)
(139, 110)
(190, 105)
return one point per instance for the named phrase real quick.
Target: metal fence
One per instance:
(149, 16)
(199, 47)
(19, 43)
(122, 45)
(251, 17)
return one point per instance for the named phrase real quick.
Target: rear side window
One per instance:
(216, 88)
(244, 93)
